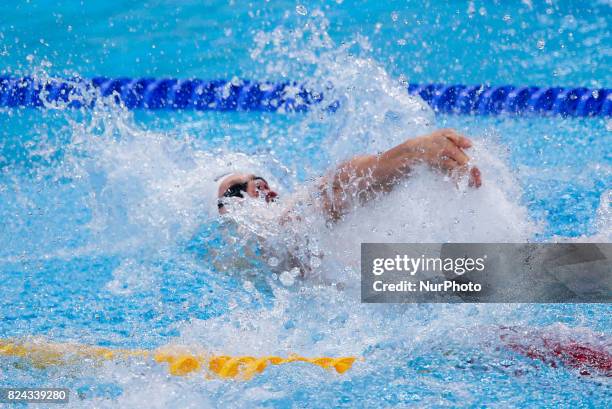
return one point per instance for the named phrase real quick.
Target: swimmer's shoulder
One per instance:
(304, 201)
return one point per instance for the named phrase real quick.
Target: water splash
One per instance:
(147, 194)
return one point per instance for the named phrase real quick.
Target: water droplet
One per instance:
(471, 9)
(315, 262)
(248, 286)
(394, 16)
(286, 278)
(301, 9)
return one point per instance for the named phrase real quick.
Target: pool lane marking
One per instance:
(180, 360)
(290, 96)
(589, 359)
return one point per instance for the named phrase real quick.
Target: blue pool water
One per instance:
(108, 223)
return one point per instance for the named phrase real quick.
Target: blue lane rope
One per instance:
(244, 95)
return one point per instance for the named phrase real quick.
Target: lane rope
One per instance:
(181, 361)
(246, 95)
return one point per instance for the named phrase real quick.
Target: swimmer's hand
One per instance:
(365, 177)
(443, 149)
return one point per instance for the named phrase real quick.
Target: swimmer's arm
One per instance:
(366, 177)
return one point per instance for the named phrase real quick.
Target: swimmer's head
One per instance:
(243, 185)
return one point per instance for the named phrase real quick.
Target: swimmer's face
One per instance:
(243, 186)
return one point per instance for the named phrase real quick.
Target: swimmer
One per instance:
(366, 177)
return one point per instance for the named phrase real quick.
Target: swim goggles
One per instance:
(236, 190)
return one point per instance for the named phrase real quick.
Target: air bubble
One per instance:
(301, 10)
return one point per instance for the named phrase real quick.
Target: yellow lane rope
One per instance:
(179, 359)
